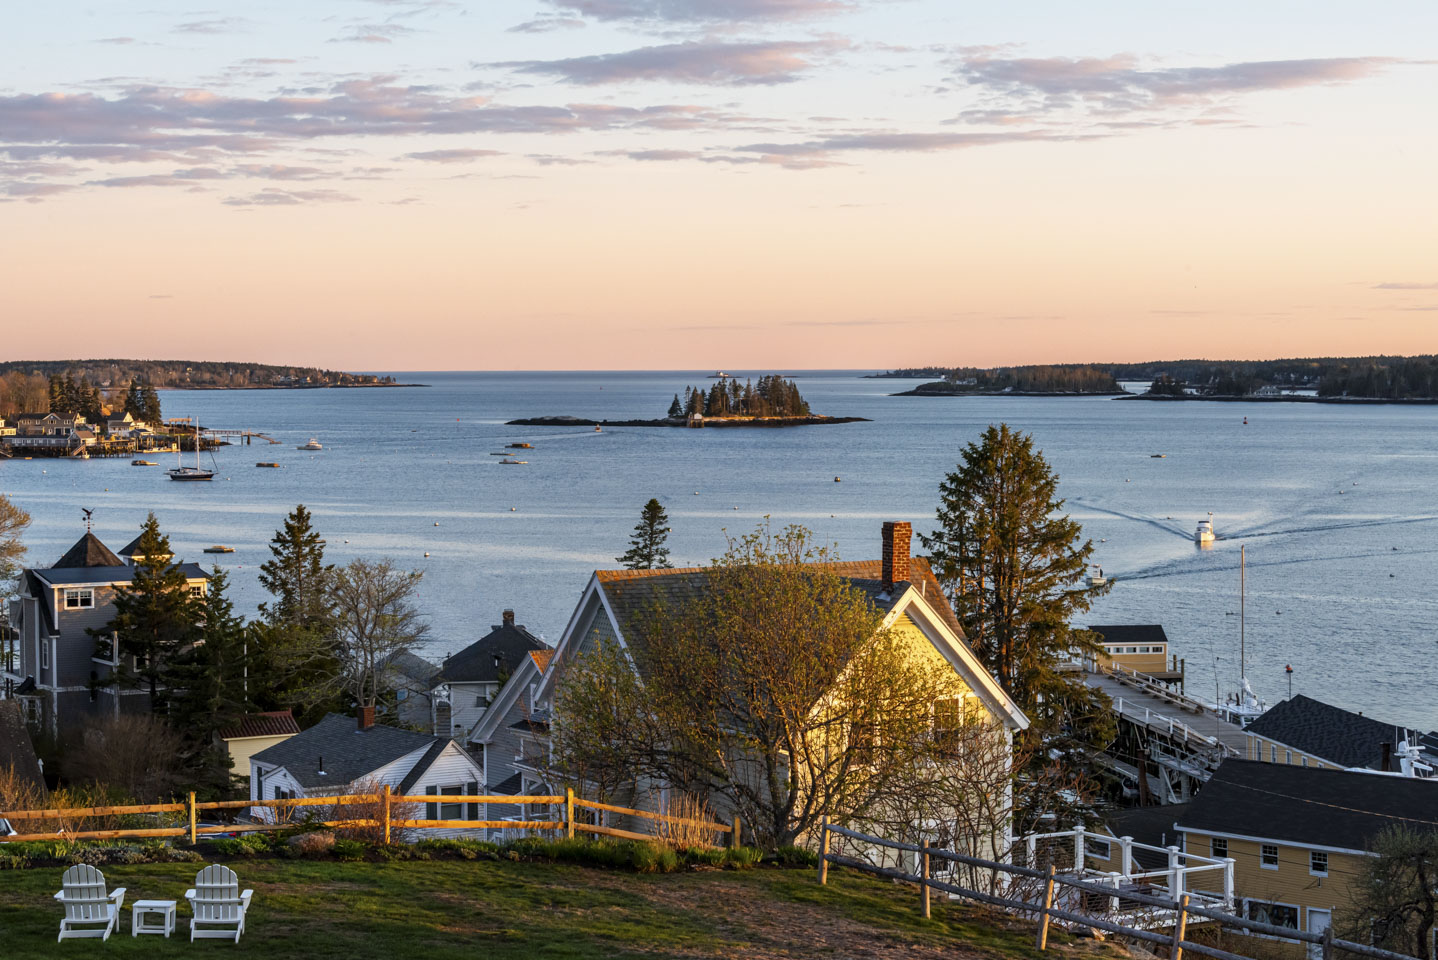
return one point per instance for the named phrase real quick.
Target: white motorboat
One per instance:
(1096, 577)
(313, 444)
(1204, 533)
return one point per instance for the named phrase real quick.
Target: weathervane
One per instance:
(88, 514)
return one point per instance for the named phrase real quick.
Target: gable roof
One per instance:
(541, 658)
(1309, 805)
(277, 723)
(88, 551)
(16, 748)
(509, 642)
(1328, 732)
(1145, 633)
(423, 764)
(411, 666)
(632, 592)
(348, 752)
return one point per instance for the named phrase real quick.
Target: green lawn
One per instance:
(495, 910)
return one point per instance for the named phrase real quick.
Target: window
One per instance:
(948, 722)
(196, 590)
(451, 811)
(861, 743)
(1318, 863)
(1218, 847)
(1272, 753)
(283, 794)
(1268, 856)
(1303, 761)
(1098, 849)
(1278, 914)
(44, 655)
(81, 599)
(1288, 757)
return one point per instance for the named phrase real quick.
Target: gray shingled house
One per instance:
(1305, 732)
(339, 751)
(468, 681)
(57, 662)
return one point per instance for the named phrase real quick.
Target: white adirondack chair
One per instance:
(217, 906)
(89, 910)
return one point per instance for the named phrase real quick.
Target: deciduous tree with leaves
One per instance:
(646, 548)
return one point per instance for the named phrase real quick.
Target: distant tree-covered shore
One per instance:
(1334, 378)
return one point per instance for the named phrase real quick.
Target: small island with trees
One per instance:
(771, 401)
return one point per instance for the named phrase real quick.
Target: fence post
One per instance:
(1043, 941)
(569, 812)
(386, 814)
(736, 832)
(1180, 928)
(1080, 849)
(1175, 873)
(924, 873)
(1125, 845)
(192, 818)
(1228, 884)
(823, 850)
(1328, 941)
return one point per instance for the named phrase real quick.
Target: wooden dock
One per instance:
(1177, 740)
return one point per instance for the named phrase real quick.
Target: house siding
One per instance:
(1261, 748)
(503, 746)
(1291, 883)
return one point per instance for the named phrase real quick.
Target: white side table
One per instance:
(152, 916)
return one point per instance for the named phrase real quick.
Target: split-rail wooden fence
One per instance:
(385, 803)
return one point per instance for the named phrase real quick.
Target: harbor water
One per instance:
(1336, 505)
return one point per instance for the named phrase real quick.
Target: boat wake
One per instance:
(1165, 526)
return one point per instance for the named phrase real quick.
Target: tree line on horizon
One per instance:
(771, 396)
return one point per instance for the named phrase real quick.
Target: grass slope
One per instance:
(463, 910)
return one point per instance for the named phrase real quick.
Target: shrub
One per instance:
(795, 857)
(346, 849)
(233, 847)
(316, 844)
(742, 858)
(683, 836)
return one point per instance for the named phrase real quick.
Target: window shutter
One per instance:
(431, 809)
(472, 788)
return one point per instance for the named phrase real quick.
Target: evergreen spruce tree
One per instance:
(156, 619)
(676, 409)
(58, 401)
(151, 404)
(135, 401)
(209, 687)
(1012, 565)
(646, 548)
(296, 643)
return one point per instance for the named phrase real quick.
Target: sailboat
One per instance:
(182, 472)
(1242, 707)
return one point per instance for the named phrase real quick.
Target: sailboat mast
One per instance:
(1242, 596)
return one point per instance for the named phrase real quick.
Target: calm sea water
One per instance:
(1336, 505)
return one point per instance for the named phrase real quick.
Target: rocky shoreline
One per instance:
(679, 422)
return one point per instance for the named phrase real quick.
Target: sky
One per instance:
(683, 184)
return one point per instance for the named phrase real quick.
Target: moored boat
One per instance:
(143, 463)
(312, 444)
(219, 548)
(264, 464)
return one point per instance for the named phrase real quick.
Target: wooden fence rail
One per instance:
(1045, 911)
(385, 818)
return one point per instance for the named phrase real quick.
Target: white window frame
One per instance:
(1313, 856)
(1218, 847)
(197, 590)
(1248, 903)
(44, 654)
(442, 809)
(1273, 753)
(1263, 849)
(1098, 849)
(84, 598)
(1288, 758)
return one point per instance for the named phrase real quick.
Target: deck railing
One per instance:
(1032, 892)
(385, 803)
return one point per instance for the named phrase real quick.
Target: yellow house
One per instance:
(1141, 647)
(514, 734)
(256, 732)
(1298, 836)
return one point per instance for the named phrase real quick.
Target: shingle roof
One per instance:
(475, 663)
(277, 723)
(1328, 732)
(632, 592)
(541, 658)
(348, 752)
(422, 764)
(16, 748)
(1151, 825)
(411, 665)
(33, 586)
(1309, 805)
(88, 551)
(509, 786)
(123, 573)
(1132, 633)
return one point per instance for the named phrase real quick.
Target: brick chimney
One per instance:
(897, 534)
(508, 618)
(366, 717)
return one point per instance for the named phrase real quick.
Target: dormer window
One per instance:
(79, 599)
